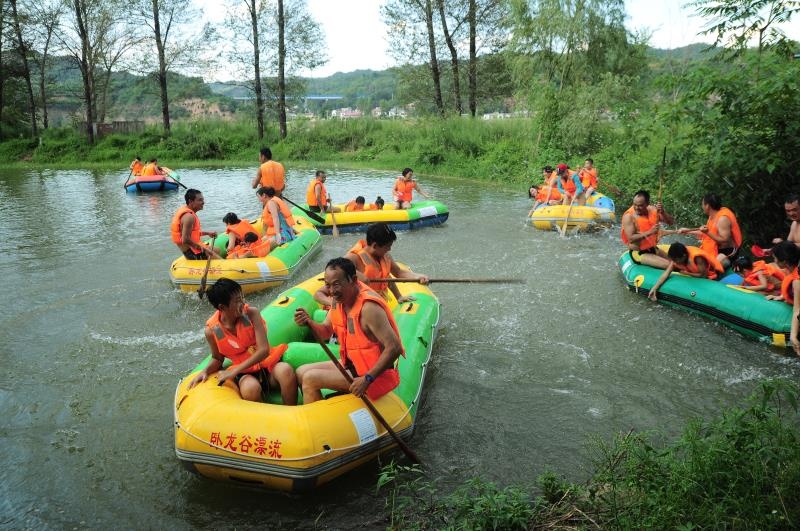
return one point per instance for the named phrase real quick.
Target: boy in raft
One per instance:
(692, 261)
(569, 184)
(357, 205)
(404, 187)
(721, 234)
(270, 173)
(588, 176)
(238, 332)
(758, 276)
(317, 197)
(185, 228)
(136, 166)
(251, 247)
(787, 257)
(641, 230)
(368, 335)
(276, 216)
(236, 229)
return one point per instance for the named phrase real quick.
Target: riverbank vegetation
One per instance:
(737, 471)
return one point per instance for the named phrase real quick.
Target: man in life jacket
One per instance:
(270, 174)
(692, 261)
(251, 246)
(403, 189)
(185, 228)
(238, 332)
(640, 230)
(787, 257)
(358, 205)
(236, 229)
(721, 234)
(317, 197)
(368, 337)
(276, 217)
(792, 206)
(588, 176)
(137, 166)
(569, 184)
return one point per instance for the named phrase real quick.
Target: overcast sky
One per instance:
(356, 36)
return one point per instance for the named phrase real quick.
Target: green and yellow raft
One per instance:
(221, 436)
(744, 310)
(420, 214)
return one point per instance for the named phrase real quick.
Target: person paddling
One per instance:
(569, 184)
(720, 235)
(640, 230)
(317, 197)
(237, 332)
(136, 166)
(588, 176)
(185, 228)
(368, 335)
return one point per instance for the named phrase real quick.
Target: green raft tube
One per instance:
(744, 310)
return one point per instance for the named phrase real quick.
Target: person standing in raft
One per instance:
(136, 166)
(787, 257)
(792, 206)
(238, 332)
(270, 174)
(588, 176)
(404, 187)
(368, 335)
(185, 228)
(569, 184)
(276, 216)
(640, 230)
(692, 261)
(720, 235)
(317, 197)
(236, 229)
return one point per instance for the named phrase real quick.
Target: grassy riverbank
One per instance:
(740, 470)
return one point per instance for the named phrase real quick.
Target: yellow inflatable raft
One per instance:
(597, 213)
(221, 436)
(253, 274)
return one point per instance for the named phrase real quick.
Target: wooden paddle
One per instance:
(403, 446)
(454, 280)
(334, 228)
(171, 174)
(313, 215)
(202, 289)
(563, 230)
(125, 184)
(661, 176)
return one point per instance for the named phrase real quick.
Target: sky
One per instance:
(356, 36)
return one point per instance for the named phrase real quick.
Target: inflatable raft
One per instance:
(292, 448)
(153, 183)
(421, 214)
(746, 311)
(597, 213)
(253, 274)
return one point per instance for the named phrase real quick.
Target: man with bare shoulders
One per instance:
(368, 335)
(640, 228)
(792, 207)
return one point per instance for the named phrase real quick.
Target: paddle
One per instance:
(403, 446)
(454, 280)
(334, 229)
(202, 289)
(316, 217)
(661, 176)
(563, 230)
(125, 184)
(171, 174)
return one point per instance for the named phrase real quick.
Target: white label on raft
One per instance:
(264, 268)
(427, 211)
(364, 424)
(626, 267)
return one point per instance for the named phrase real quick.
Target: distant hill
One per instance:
(692, 52)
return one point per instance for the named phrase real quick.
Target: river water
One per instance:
(95, 338)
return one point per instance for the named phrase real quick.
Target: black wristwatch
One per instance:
(369, 378)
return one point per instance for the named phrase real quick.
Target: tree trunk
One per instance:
(473, 61)
(251, 5)
(87, 74)
(2, 75)
(281, 67)
(162, 69)
(453, 60)
(23, 51)
(42, 76)
(434, 63)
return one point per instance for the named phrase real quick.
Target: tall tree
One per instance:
(46, 17)
(281, 70)
(472, 68)
(3, 66)
(434, 62)
(87, 23)
(448, 36)
(22, 48)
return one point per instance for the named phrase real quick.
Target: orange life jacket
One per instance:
(546, 191)
(768, 270)
(240, 345)
(136, 167)
(569, 185)
(403, 190)
(240, 229)
(266, 216)
(357, 347)
(643, 224)
(714, 267)
(712, 246)
(175, 227)
(786, 286)
(588, 177)
(373, 268)
(311, 197)
(352, 206)
(259, 249)
(273, 174)
(149, 169)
